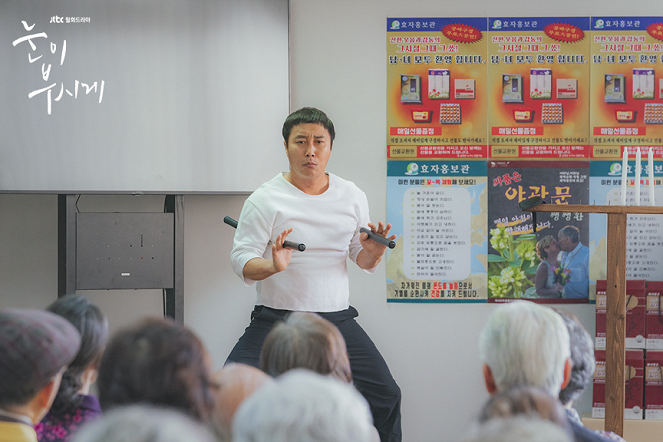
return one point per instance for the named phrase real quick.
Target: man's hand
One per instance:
(372, 252)
(280, 255)
(258, 269)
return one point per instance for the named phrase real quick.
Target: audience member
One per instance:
(525, 401)
(73, 405)
(35, 348)
(527, 344)
(306, 340)
(302, 406)
(518, 429)
(142, 423)
(582, 373)
(231, 386)
(159, 362)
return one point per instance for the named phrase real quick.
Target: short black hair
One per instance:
(307, 115)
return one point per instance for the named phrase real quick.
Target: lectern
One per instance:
(616, 300)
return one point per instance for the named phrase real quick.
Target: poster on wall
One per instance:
(627, 85)
(436, 88)
(644, 233)
(438, 209)
(538, 86)
(549, 266)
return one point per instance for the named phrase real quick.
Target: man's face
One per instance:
(308, 150)
(564, 242)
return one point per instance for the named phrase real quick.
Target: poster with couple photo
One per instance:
(550, 265)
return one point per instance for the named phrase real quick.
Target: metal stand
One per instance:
(108, 251)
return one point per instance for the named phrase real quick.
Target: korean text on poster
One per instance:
(644, 233)
(436, 97)
(543, 265)
(627, 90)
(538, 85)
(438, 210)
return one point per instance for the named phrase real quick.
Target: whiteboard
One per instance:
(122, 96)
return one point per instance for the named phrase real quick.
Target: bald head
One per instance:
(234, 383)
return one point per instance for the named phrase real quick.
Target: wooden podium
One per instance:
(616, 300)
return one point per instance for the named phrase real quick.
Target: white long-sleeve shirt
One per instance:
(328, 224)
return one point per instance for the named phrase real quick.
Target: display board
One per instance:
(538, 81)
(644, 248)
(626, 93)
(484, 113)
(146, 96)
(438, 209)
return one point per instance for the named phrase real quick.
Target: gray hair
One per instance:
(518, 429)
(526, 401)
(524, 343)
(306, 340)
(571, 232)
(143, 423)
(302, 406)
(582, 356)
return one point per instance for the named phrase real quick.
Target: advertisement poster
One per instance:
(644, 233)
(627, 85)
(436, 88)
(514, 258)
(438, 209)
(538, 86)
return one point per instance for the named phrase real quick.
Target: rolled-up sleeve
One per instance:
(363, 218)
(251, 239)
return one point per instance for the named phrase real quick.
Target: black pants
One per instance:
(370, 373)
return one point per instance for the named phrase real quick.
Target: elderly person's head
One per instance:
(159, 362)
(568, 238)
(518, 429)
(582, 357)
(35, 348)
(144, 423)
(82, 371)
(302, 406)
(524, 343)
(306, 340)
(525, 401)
(231, 386)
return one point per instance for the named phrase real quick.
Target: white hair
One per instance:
(143, 423)
(524, 343)
(518, 429)
(302, 406)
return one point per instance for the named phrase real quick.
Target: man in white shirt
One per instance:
(325, 212)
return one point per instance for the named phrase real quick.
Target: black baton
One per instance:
(287, 244)
(375, 237)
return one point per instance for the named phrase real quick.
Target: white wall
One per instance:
(338, 59)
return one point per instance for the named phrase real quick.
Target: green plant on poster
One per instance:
(511, 273)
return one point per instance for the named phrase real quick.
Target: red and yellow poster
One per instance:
(627, 91)
(436, 88)
(538, 86)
